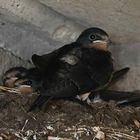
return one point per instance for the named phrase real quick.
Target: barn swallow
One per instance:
(75, 69)
(11, 75)
(25, 80)
(28, 85)
(29, 80)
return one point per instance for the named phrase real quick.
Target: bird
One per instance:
(20, 78)
(79, 71)
(23, 79)
(75, 69)
(12, 74)
(25, 85)
(28, 80)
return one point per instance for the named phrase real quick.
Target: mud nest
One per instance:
(65, 120)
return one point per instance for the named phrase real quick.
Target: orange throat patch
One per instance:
(99, 45)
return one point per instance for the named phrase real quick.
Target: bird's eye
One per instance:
(28, 82)
(92, 37)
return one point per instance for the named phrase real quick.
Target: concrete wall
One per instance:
(38, 26)
(120, 18)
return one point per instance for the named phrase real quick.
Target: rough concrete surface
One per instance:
(24, 39)
(44, 17)
(120, 18)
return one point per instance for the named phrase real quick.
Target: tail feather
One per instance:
(130, 102)
(121, 98)
(118, 74)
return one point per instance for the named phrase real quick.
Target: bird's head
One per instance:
(26, 80)
(11, 75)
(27, 85)
(94, 38)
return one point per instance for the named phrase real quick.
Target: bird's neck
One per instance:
(99, 46)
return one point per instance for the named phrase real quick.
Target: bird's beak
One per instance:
(25, 89)
(100, 41)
